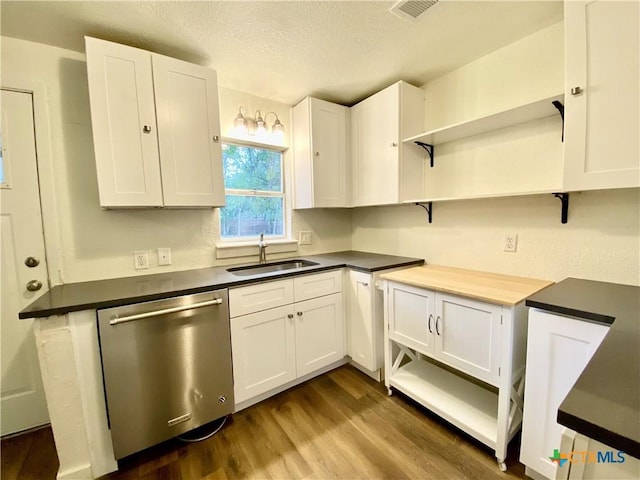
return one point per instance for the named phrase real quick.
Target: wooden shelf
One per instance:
(540, 109)
(464, 404)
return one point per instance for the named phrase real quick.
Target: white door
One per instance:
(319, 333)
(360, 320)
(411, 317)
(22, 400)
(602, 115)
(188, 133)
(558, 350)
(468, 336)
(263, 351)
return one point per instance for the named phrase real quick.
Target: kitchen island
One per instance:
(604, 403)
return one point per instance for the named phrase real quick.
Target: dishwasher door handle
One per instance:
(139, 316)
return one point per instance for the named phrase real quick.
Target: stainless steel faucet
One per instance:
(262, 249)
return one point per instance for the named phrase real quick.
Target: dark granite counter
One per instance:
(604, 403)
(115, 292)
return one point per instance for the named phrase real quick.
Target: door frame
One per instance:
(45, 172)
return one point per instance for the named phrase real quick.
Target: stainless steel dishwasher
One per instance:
(167, 368)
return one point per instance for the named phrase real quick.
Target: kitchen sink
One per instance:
(270, 267)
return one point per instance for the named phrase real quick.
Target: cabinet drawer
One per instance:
(254, 298)
(311, 286)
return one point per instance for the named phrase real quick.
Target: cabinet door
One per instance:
(468, 336)
(558, 349)
(319, 333)
(123, 118)
(375, 143)
(189, 133)
(602, 121)
(320, 154)
(411, 317)
(360, 333)
(264, 354)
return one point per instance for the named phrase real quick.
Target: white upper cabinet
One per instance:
(384, 170)
(156, 129)
(320, 154)
(602, 95)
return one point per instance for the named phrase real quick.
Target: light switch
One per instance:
(305, 238)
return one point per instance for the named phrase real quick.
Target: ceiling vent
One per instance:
(412, 9)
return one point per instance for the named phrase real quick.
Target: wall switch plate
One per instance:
(141, 260)
(510, 243)
(305, 237)
(164, 256)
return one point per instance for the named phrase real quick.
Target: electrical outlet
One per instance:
(164, 256)
(510, 243)
(141, 260)
(305, 238)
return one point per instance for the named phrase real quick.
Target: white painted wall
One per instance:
(601, 241)
(93, 243)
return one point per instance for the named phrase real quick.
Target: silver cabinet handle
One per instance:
(34, 285)
(430, 318)
(437, 322)
(576, 90)
(31, 262)
(117, 320)
(146, 129)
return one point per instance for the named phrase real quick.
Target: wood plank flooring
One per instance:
(340, 425)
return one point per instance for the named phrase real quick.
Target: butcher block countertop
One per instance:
(486, 286)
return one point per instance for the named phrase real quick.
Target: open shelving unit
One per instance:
(524, 113)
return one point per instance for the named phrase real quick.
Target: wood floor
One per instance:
(340, 425)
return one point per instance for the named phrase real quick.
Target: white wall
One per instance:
(601, 241)
(94, 243)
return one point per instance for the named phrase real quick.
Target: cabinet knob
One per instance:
(576, 91)
(34, 285)
(290, 316)
(31, 262)
(317, 154)
(394, 144)
(216, 138)
(299, 314)
(146, 129)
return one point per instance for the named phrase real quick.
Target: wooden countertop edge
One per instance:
(495, 287)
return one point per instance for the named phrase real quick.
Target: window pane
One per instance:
(251, 168)
(249, 216)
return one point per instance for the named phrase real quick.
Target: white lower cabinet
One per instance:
(284, 330)
(431, 336)
(558, 350)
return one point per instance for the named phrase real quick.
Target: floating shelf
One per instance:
(464, 404)
(482, 196)
(539, 109)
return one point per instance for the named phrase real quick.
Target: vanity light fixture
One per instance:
(257, 126)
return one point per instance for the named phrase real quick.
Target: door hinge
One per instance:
(499, 370)
(500, 319)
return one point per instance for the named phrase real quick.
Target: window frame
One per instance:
(259, 193)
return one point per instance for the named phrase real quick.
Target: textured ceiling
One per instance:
(336, 50)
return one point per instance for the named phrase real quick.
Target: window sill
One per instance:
(250, 249)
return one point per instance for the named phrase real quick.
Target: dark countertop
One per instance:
(604, 403)
(115, 292)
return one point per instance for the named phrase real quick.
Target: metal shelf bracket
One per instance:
(560, 107)
(429, 148)
(428, 208)
(564, 198)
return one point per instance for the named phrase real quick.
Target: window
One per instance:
(254, 187)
